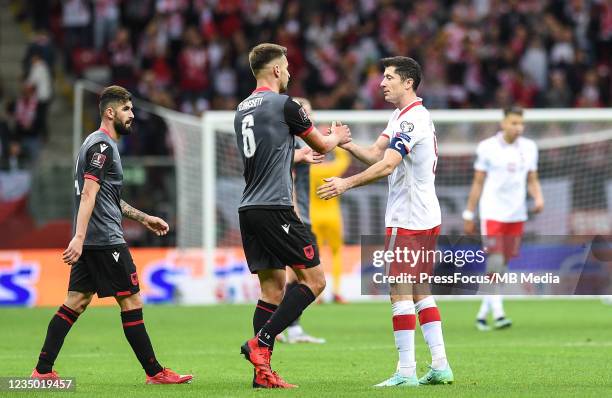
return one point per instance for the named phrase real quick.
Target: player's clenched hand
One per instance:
(469, 227)
(343, 131)
(334, 186)
(72, 253)
(538, 206)
(155, 224)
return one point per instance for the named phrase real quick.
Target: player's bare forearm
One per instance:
(535, 191)
(86, 206)
(368, 155)
(336, 186)
(476, 190)
(339, 134)
(132, 213)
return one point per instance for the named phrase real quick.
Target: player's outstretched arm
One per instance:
(535, 191)
(368, 155)
(154, 224)
(339, 134)
(335, 186)
(88, 200)
(469, 227)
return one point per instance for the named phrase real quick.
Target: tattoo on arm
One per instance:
(131, 212)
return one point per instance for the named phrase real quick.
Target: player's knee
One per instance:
(273, 296)
(317, 284)
(78, 301)
(131, 302)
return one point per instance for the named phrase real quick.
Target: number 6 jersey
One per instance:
(266, 124)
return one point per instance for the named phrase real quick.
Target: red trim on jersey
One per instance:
(70, 310)
(429, 314)
(124, 293)
(409, 107)
(385, 135)
(404, 322)
(299, 266)
(264, 308)
(305, 133)
(65, 317)
(91, 177)
(134, 323)
(105, 131)
(262, 88)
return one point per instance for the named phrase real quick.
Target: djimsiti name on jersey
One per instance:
(248, 104)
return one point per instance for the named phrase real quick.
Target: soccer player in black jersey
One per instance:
(98, 255)
(273, 237)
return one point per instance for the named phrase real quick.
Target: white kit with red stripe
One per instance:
(412, 202)
(505, 186)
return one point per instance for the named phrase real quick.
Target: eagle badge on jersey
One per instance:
(309, 252)
(407, 126)
(97, 160)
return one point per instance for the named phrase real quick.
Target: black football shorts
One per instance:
(107, 271)
(276, 238)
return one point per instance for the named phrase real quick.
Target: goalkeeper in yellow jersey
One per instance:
(326, 216)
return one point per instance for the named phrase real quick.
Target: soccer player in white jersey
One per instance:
(505, 170)
(406, 152)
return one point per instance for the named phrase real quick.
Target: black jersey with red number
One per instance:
(99, 161)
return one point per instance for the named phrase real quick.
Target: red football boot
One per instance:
(260, 358)
(168, 376)
(44, 376)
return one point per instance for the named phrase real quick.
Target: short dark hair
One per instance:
(513, 110)
(262, 54)
(406, 68)
(111, 95)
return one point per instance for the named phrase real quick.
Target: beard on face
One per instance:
(121, 128)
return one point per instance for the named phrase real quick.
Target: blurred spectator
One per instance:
(25, 114)
(534, 63)
(558, 95)
(13, 158)
(40, 44)
(193, 64)
(589, 96)
(76, 22)
(122, 59)
(106, 21)
(40, 78)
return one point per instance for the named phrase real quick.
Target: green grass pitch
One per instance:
(555, 348)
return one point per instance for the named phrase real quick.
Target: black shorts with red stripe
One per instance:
(275, 238)
(105, 270)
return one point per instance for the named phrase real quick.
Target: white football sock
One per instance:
(431, 326)
(404, 320)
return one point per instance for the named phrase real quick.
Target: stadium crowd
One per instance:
(475, 53)
(191, 55)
